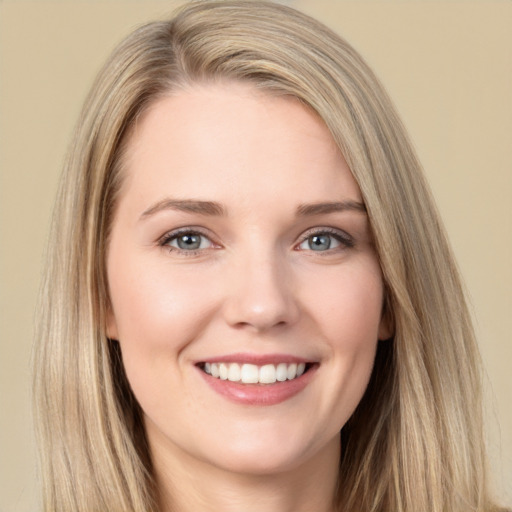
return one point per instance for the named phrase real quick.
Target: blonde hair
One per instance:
(415, 442)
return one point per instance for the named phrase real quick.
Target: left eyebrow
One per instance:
(330, 207)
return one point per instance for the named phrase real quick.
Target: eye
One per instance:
(322, 241)
(186, 241)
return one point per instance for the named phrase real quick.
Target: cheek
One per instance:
(157, 314)
(349, 305)
(348, 314)
(156, 310)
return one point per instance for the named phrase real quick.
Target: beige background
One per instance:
(448, 66)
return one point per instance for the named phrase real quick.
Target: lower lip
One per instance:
(259, 394)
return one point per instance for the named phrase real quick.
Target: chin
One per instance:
(267, 455)
(260, 462)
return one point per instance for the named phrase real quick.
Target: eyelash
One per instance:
(345, 240)
(342, 237)
(174, 235)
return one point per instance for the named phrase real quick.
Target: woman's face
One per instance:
(240, 257)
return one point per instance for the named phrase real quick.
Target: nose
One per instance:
(261, 294)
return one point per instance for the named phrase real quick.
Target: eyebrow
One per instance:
(330, 207)
(212, 208)
(186, 205)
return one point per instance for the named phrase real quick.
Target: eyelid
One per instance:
(164, 240)
(342, 236)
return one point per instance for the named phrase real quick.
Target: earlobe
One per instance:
(386, 330)
(111, 325)
(387, 322)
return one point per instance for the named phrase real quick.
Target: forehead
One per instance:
(233, 142)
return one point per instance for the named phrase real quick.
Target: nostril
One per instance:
(254, 310)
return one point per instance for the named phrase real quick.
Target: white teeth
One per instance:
(291, 373)
(234, 372)
(250, 374)
(253, 374)
(223, 371)
(281, 372)
(267, 374)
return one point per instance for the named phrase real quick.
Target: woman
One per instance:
(253, 263)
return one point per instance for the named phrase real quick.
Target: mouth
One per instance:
(257, 380)
(248, 373)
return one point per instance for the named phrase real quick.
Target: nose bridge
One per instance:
(261, 292)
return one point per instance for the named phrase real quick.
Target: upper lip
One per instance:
(256, 359)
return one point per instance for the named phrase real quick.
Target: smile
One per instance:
(258, 380)
(254, 374)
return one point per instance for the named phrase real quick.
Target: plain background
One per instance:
(446, 64)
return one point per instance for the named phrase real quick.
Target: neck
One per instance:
(188, 485)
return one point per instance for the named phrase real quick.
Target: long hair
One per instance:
(415, 441)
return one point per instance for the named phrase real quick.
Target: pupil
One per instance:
(189, 242)
(320, 242)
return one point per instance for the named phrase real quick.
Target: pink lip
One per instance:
(258, 394)
(257, 359)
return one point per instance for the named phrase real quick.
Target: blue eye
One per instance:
(323, 241)
(319, 242)
(187, 241)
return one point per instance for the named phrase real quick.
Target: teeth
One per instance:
(250, 374)
(234, 372)
(291, 372)
(268, 374)
(282, 372)
(223, 371)
(253, 374)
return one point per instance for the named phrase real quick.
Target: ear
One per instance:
(386, 330)
(111, 324)
(387, 322)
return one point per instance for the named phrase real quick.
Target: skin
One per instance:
(254, 286)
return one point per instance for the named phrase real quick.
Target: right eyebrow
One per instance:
(185, 205)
